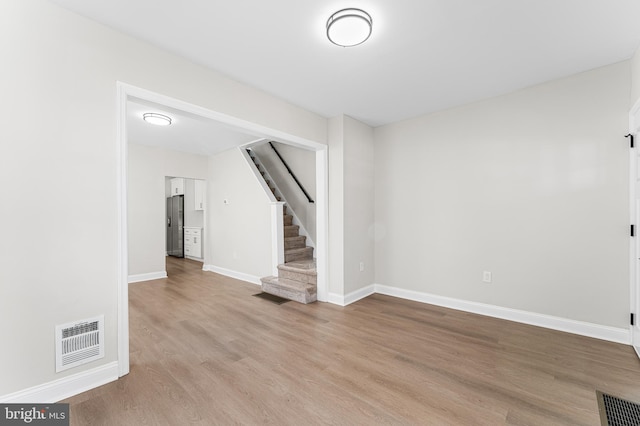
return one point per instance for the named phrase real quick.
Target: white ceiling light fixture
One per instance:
(157, 119)
(349, 27)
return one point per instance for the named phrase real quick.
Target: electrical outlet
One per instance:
(361, 266)
(486, 277)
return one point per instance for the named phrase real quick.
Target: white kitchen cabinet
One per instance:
(193, 242)
(177, 186)
(199, 194)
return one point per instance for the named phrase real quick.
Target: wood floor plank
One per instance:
(205, 352)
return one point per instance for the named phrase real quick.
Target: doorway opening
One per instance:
(127, 94)
(185, 217)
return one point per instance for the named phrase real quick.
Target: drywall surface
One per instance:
(351, 201)
(302, 163)
(62, 264)
(635, 78)
(148, 169)
(358, 205)
(336, 205)
(531, 186)
(238, 232)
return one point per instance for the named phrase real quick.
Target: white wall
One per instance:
(61, 265)
(148, 169)
(303, 164)
(635, 78)
(358, 205)
(532, 186)
(336, 207)
(351, 203)
(238, 233)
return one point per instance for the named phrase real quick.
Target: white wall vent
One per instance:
(80, 342)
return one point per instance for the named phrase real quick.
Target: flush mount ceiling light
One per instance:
(349, 27)
(157, 119)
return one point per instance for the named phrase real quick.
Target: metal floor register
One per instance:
(617, 412)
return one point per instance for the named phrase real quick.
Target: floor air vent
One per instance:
(80, 342)
(617, 412)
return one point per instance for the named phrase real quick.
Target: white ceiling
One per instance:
(187, 132)
(423, 55)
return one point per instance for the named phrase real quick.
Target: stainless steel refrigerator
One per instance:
(175, 224)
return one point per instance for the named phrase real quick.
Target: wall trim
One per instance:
(352, 297)
(146, 277)
(232, 274)
(65, 387)
(336, 299)
(613, 334)
(122, 230)
(597, 331)
(634, 284)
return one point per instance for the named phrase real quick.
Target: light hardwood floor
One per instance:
(203, 351)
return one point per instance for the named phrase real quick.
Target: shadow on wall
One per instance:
(302, 163)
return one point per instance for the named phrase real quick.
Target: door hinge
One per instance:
(633, 230)
(631, 141)
(633, 319)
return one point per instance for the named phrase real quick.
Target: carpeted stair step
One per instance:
(303, 271)
(289, 289)
(298, 254)
(291, 231)
(288, 220)
(299, 241)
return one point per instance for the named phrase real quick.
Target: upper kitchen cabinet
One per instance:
(177, 186)
(199, 194)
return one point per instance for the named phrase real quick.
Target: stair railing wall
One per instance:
(304, 191)
(279, 193)
(277, 215)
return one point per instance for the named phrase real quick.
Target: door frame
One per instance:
(124, 93)
(634, 242)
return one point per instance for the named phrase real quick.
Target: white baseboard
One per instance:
(197, 259)
(147, 277)
(352, 297)
(613, 334)
(336, 299)
(233, 274)
(65, 387)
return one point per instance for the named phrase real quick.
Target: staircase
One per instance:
(297, 277)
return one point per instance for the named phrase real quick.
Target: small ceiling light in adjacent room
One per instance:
(349, 27)
(157, 119)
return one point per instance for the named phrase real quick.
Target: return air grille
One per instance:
(79, 343)
(617, 412)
